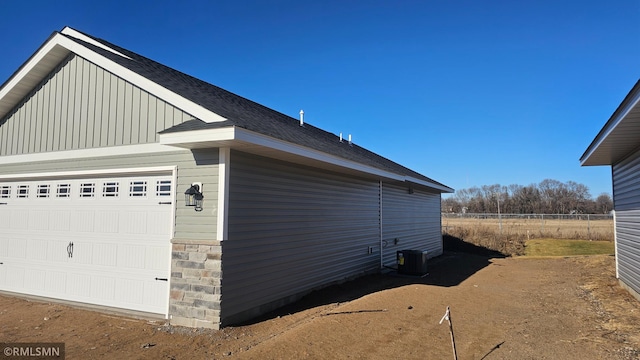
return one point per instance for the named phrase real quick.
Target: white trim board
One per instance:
(88, 153)
(80, 36)
(80, 173)
(228, 136)
(223, 193)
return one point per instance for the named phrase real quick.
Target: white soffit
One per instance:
(58, 46)
(620, 135)
(31, 73)
(235, 137)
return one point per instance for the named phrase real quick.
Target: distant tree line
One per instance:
(547, 197)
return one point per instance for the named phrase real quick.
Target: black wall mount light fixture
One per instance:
(193, 196)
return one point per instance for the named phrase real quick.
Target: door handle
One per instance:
(162, 279)
(70, 249)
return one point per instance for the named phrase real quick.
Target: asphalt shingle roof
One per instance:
(244, 113)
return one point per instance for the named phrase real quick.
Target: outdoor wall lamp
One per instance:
(193, 196)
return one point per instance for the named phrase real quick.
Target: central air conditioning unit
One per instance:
(412, 262)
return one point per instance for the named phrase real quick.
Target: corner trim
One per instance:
(222, 227)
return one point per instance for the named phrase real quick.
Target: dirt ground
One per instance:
(501, 308)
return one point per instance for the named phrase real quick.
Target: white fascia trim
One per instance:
(222, 227)
(634, 101)
(198, 136)
(263, 140)
(233, 133)
(429, 184)
(266, 141)
(161, 92)
(77, 173)
(88, 153)
(74, 33)
(30, 65)
(138, 80)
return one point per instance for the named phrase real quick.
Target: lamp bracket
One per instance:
(199, 185)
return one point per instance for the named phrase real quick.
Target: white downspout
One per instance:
(615, 242)
(381, 252)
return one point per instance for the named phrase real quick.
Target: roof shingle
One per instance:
(244, 113)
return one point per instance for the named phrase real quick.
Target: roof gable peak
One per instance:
(88, 39)
(60, 44)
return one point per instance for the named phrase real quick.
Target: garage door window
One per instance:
(43, 191)
(5, 192)
(110, 189)
(23, 191)
(163, 188)
(138, 188)
(87, 189)
(63, 190)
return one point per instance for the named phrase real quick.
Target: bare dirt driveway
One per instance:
(502, 308)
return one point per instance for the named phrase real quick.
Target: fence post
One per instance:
(588, 227)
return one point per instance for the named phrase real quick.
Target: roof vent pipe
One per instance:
(301, 118)
(340, 137)
(349, 139)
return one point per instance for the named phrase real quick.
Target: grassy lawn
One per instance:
(556, 247)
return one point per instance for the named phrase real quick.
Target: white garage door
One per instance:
(103, 241)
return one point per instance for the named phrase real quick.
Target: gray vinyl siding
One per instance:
(293, 229)
(628, 247)
(413, 219)
(80, 106)
(189, 223)
(626, 183)
(626, 195)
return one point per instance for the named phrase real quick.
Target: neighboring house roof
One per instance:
(620, 136)
(221, 118)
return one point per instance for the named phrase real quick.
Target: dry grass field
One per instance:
(510, 240)
(582, 229)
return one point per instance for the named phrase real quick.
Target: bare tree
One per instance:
(548, 197)
(603, 204)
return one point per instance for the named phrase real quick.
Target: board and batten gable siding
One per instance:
(81, 106)
(411, 218)
(626, 197)
(196, 166)
(293, 229)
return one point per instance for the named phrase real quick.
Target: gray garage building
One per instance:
(618, 145)
(129, 185)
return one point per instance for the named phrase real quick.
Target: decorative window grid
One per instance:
(138, 188)
(63, 190)
(43, 190)
(23, 191)
(5, 191)
(87, 189)
(110, 189)
(163, 188)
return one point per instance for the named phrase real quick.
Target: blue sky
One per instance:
(469, 93)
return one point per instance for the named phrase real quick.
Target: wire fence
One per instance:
(559, 226)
